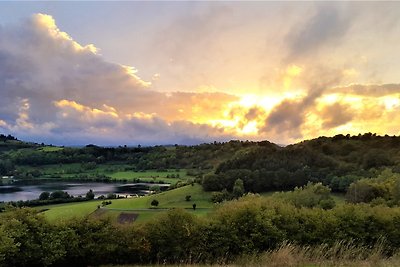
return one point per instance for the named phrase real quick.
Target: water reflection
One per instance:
(29, 191)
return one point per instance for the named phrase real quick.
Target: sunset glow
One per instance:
(203, 71)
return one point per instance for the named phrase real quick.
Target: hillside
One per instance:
(336, 161)
(35, 161)
(263, 166)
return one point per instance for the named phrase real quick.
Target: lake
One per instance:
(21, 190)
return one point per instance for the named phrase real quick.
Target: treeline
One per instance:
(5, 138)
(9, 142)
(337, 162)
(47, 198)
(248, 226)
(382, 189)
(201, 157)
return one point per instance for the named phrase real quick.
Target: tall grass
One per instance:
(341, 254)
(346, 254)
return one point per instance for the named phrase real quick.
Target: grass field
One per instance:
(50, 148)
(69, 210)
(155, 176)
(169, 199)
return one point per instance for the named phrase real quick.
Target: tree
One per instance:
(212, 182)
(155, 188)
(154, 203)
(218, 197)
(363, 191)
(238, 188)
(310, 195)
(59, 195)
(6, 166)
(188, 197)
(90, 194)
(44, 196)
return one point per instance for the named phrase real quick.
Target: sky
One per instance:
(153, 73)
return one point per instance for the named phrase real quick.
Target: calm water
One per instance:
(21, 191)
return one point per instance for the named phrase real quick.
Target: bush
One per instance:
(90, 194)
(154, 203)
(311, 195)
(44, 196)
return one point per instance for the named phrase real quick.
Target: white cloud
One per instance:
(54, 88)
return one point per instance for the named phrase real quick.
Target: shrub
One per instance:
(154, 203)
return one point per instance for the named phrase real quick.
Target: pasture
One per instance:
(175, 198)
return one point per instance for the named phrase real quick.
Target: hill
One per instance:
(335, 161)
(263, 166)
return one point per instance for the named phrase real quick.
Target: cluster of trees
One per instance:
(6, 167)
(337, 162)
(224, 195)
(202, 157)
(5, 138)
(56, 197)
(246, 226)
(382, 189)
(309, 196)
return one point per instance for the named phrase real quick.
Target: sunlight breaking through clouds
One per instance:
(53, 88)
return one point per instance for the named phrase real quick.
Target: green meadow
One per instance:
(175, 198)
(171, 176)
(67, 211)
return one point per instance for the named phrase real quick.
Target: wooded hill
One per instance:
(262, 166)
(337, 161)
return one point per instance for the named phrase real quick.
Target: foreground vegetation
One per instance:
(248, 226)
(291, 255)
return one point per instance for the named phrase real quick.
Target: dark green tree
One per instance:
(90, 194)
(154, 203)
(238, 188)
(44, 195)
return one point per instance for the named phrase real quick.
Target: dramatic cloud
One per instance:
(51, 85)
(219, 71)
